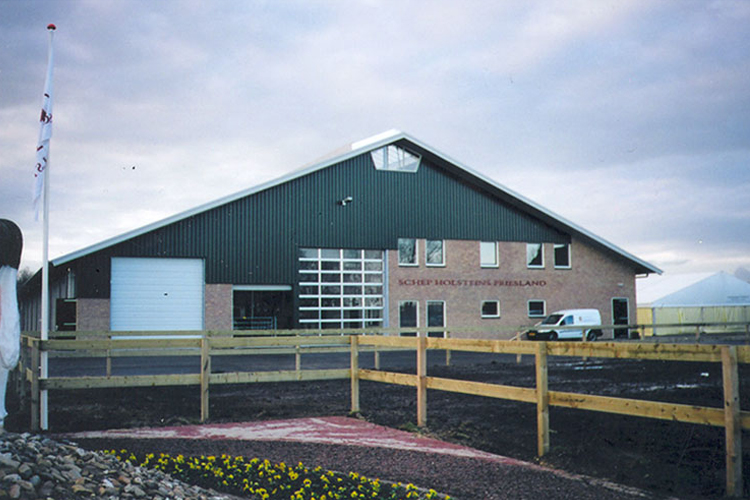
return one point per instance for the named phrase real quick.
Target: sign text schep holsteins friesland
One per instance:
(471, 283)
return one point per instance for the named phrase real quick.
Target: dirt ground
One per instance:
(664, 457)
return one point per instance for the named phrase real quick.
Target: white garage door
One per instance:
(156, 294)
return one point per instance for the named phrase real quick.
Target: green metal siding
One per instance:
(254, 240)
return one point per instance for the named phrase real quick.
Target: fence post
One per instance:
(354, 369)
(297, 360)
(421, 381)
(35, 385)
(732, 422)
(205, 376)
(109, 357)
(447, 351)
(542, 400)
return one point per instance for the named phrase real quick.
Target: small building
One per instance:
(685, 299)
(388, 233)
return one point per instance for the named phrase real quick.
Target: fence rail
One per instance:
(731, 417)
(207, 345)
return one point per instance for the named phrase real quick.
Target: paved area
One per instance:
(324, 430)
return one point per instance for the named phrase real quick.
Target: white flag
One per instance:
(45, 130)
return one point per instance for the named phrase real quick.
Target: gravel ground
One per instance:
(461, 478)
(659, 456)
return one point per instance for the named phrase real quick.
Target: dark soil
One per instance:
(663, 457)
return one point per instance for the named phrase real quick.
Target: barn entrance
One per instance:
(262, 308)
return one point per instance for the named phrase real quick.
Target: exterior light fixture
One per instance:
(345, 201)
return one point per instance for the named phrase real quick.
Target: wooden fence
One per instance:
(730, 416)
(210, 344)
(108, 346)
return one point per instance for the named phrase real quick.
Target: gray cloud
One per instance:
(630, 119)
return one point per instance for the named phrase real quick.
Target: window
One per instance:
(535, 255)
(490, 309)
(488, 254)
(407, 252)
(395, 159)
(434, 253)
(562, 256)
(340, 288)
(435, 317)
(537, 309)
(408, 314)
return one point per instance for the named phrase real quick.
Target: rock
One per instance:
(34, 467)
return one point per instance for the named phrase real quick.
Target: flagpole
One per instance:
(44, 372)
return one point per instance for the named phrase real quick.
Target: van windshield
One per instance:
(552, 319)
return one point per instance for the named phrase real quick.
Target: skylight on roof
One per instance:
(395, 159)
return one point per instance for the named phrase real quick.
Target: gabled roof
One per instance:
(367, 145)
(692, 290)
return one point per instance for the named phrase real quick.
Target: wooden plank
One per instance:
(120, 381)
(542, 401)
(403, 342)
(524, 394)
(117, 343)
(421, 382)
(655, 351)
(233, 343)
(639, 408)
(479, 345)
(205, 378)
(388, 377)
(732, 423)
(279, 376)
(122, 353)
(354, 370)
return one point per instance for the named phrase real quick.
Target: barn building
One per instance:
(687, 299)
(388, 233)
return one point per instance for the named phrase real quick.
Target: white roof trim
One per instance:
(357, 148)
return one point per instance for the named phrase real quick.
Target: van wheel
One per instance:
(553, 336)
(591, 336)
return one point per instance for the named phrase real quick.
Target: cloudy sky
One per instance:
(629, 118)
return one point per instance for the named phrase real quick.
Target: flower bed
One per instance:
(269, 481)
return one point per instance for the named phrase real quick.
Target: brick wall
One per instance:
(218, 313)
(592, 281)
(92, 315)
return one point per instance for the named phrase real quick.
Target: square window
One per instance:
(408, 314)
(308, 265)
(308, 277)
(488, 254)
(434, 253)
(352, 278)
(329, 266)
(537, 309)
(435, 317)
(535, 255)
(373, 266)
(490, 309)
(562, 256)
(407, 252)
(329, 253)
(352, 266)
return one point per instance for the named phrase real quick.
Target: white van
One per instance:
(546, 330)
